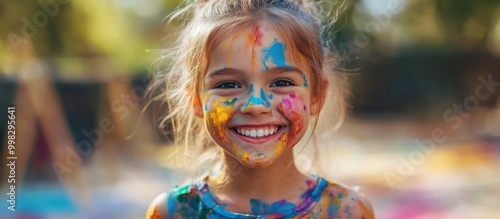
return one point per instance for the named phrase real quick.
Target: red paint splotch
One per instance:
(257, 35)
(253, 40)
(290, 109)
(309, 183)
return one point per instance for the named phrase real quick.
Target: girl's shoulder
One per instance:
(338, 201)
(182, 199)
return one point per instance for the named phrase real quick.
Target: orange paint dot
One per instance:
(367, 213)
(246, 157)
(153, 214)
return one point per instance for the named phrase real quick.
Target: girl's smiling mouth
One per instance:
(258, 134)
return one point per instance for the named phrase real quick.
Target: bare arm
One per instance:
(158, 208)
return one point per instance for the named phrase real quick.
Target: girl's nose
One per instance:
(255, 108)
(256, 105)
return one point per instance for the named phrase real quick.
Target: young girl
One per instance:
(254, 75)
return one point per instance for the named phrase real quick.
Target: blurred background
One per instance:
(422, 140)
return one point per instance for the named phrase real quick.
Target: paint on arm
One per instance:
(157, 209)
(345, 203)
(182, 202)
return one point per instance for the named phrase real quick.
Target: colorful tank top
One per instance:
(324, 200)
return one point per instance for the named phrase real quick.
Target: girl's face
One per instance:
(255, 99)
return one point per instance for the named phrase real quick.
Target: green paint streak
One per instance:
(230, 103)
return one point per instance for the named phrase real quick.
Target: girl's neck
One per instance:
(278, 181)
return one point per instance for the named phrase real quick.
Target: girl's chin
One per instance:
(253, 159)
(257, 163)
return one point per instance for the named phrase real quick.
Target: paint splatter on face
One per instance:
(256, 35)
(293, 109)
(254, 40)
(276, 52)
(230, 103)
(257, 100)
(218, 116)
(270, 113)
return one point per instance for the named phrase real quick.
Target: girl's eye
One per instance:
(282, 83)
(228, 85)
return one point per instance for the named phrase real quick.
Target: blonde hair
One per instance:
(178, 84)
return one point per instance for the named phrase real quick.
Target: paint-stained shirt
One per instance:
(325, 200)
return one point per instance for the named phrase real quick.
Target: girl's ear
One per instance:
(318, 101)
(197, 107)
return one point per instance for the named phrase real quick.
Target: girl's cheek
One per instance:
(294, 109)
(218, 114)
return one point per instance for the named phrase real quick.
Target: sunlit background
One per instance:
(422, 140)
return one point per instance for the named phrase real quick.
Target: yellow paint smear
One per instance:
(218, 116)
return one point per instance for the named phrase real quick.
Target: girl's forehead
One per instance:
(257, 35)
(255, 39)
(256, 47)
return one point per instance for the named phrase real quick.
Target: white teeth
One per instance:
(253, 133)
(260, 133)
(257, 132)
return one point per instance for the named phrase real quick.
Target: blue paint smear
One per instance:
(206, 107)
(264, 98)
(307, 193)
(281, 206)
(254, 100)
(259, 207)
(276, 52)
(305, 82)
(180, 202)
(271, 96)
(251, 89)
(172, 203)
(230, 103)
(333, 210)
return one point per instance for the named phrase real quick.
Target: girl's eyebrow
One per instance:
(223, 71)
(275, 70)
(279, 70)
